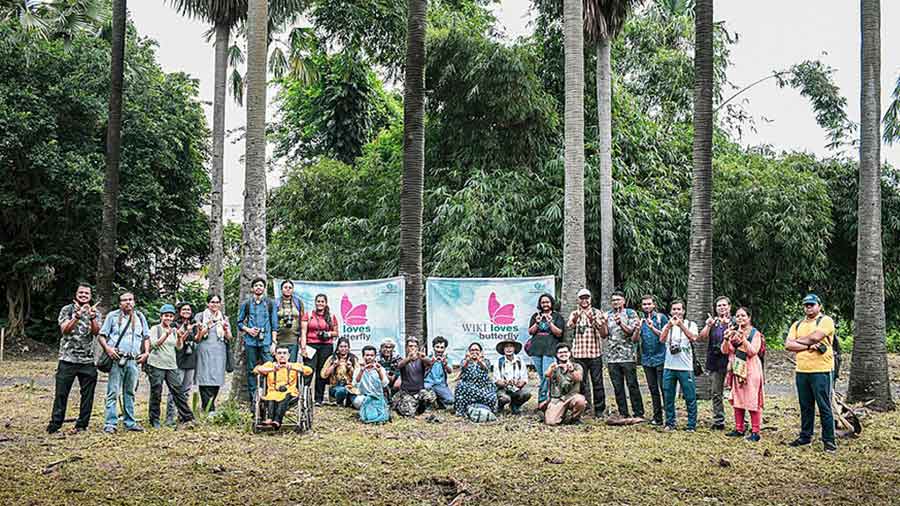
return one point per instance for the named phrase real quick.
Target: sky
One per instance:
(773, 34)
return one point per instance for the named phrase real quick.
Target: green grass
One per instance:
(516, 460)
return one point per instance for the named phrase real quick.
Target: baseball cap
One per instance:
(167, 308)
(583, 292)
(811, 299)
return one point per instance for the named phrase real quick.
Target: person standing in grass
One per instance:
(653, 354)
(258, 320)
(745, 374)
(185, 357)
(214, 334)
(162, 367)
(812, 339)
(620, 329)
(677, 336)
(79, 323)
(716, 362)
(122, 339)
(546, 330)
(587, 349)
(566, 403)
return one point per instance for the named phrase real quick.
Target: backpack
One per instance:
(246, 309)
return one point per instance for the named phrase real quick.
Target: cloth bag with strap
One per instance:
(739, 366)
(102, 359)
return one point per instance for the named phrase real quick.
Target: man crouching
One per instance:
(281, 385)
(566, 403)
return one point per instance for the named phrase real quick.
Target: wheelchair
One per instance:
(299, 415)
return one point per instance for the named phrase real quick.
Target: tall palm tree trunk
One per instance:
(413, 186)
(573, 245)
(700, 280)
(217, 248)
(106, 260)
(868, 371)
(607, 225)
(253, 252)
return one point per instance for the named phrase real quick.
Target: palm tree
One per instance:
(868, 371)
(106, 260)
(699, 294)
(55, 19)
(225, 16)
(413, 185)
(603, 20)
(573, 227)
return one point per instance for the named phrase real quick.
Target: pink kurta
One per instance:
(749, 394)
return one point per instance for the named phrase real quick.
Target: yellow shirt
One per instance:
(812, 360)
(282, 378)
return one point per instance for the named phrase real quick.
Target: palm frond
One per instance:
(604, 19)
(236, 83)
(891, 120)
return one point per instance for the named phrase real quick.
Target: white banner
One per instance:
(487, 310)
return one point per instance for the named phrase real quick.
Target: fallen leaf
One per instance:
(724, 463)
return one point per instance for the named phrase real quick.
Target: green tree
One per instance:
(868, 370)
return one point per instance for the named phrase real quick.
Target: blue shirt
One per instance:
(436, 375)
(262, 315)
(134, 334)
(653, 352)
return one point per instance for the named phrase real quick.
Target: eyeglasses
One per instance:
(215, 302)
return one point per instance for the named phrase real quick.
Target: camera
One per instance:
(188, 348)
(821, 348)
(322, 335)
(674, 349)
(282, 388)
(125, 357)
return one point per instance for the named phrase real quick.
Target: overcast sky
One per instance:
(773, 35)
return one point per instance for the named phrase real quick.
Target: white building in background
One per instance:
(233, 213)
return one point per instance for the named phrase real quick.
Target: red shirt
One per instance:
(316, 324)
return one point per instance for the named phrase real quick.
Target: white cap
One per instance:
(583, 292)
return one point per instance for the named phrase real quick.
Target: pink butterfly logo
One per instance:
(500, 315)
(353, 315)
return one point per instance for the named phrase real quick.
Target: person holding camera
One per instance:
(162, 367)
(413, 399)
(653, 354)
(474, 385)
(745, 374)
(546, 331)
(812, 339)
(370, 379)
(620, 331)
(587, 348)
(79, 323)
(214, 335)
(282, 378)
(321, 330)
(258, 320)
(338, 374)
(438, 373)
(293, 322)
(566, 403)
(185, 357)
(678, 368)
(122, 339)
(713, 331)
(511, 377)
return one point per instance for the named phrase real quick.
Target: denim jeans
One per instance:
(442, 392)
(341, 395)
(66, 372)
(688, 387)
(654, 375)
(254, 354)
(621, 373)
(814, 389)
(541, 364)
(121, 379)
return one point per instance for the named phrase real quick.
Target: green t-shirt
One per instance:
(162, 357)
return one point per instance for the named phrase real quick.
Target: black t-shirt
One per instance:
(412, 376)
(543, 342)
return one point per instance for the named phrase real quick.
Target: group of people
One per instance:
(568, 354)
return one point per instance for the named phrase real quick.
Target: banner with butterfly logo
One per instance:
(367, 311)
(486, 310)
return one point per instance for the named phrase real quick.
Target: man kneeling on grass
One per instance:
(566, 402)
(370, 379)
(281, 385)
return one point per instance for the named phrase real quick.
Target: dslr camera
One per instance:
(125, 357)
(674, 348)
(322, 335)
(282, 388)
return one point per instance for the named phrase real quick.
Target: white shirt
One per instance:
(512, 371)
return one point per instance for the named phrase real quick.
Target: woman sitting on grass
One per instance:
(745, 374)
(338, 374)
(474, 385)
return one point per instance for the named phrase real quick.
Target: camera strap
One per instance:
(122, 332)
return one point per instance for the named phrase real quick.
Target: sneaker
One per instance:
(156, 425)
(830, 447)
(135, 428)
(655, 423)
(690, 429)
(735, 433)
(109, 429)
(52, 429)
(717, 426)
(754, 437)
(669, 428)
(799, 442)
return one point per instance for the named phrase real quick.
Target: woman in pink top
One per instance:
(745, 373)
(321, 332)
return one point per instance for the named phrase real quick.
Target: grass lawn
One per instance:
(516, 460)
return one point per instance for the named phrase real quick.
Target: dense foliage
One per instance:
(52, 129)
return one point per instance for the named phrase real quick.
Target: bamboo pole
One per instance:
(2, 341)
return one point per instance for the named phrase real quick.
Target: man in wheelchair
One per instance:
(282, 378)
